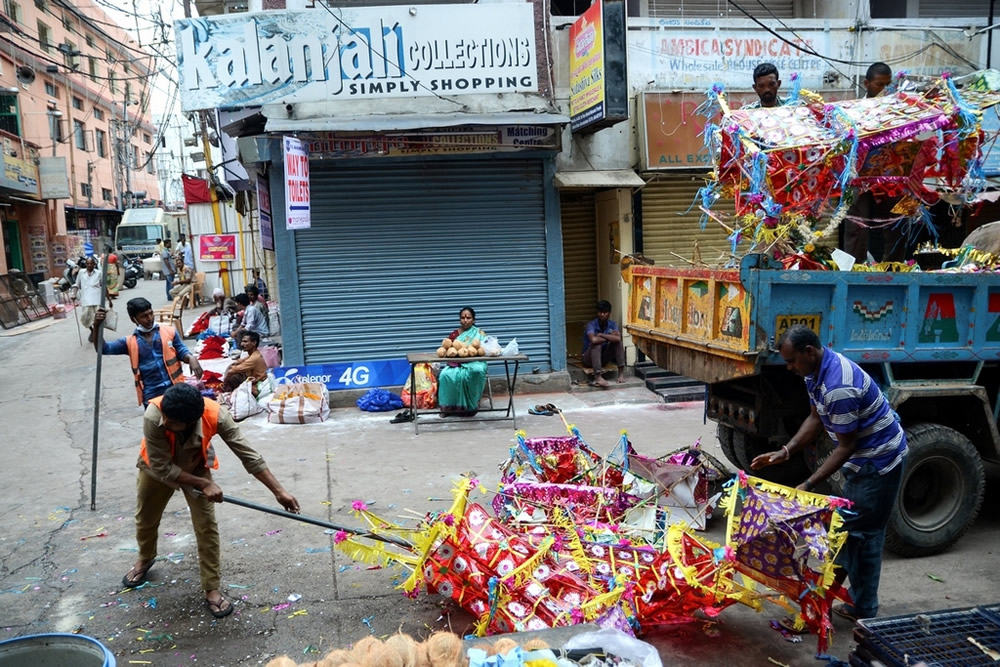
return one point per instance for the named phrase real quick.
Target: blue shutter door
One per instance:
(396, 249)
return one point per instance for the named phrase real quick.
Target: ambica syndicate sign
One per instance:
(361, 53)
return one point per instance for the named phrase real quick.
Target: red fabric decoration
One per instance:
(195, 190)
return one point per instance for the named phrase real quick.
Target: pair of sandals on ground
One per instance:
(217, 604)
(546, 410)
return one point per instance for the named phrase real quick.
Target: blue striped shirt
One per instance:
(153, 370)
(848, 400)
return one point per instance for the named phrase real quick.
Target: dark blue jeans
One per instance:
(873, 496)
(170, 284)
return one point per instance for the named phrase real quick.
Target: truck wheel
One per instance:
(815, 455)
(725, 434)
(941, 492)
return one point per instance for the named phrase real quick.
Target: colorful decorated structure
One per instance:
(793, 171)
(577, 537)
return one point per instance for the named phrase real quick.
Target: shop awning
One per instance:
(25, 200)
(609, 178)
(411, 121)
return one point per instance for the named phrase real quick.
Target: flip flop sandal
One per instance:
(540, 411)
(402, 417)
(788, 625)
(217, 609)
(139, 577)
(846, 612)
(551, 408)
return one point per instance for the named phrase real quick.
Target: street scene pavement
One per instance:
(61, 564)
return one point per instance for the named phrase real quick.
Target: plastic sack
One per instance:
(426, 390)
(244, 403)
(220, 324)
(617, 643)
(491, 346)
(379, 400)
(510, 349)
(299, 403)
(271, 355)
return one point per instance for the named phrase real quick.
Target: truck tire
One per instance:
(941, 492)
(725, 435)
(815, 455)
(741, 448)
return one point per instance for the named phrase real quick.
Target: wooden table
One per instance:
(414, 358)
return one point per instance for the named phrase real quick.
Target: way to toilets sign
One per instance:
(297, 206)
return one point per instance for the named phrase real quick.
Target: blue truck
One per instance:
(930, 339)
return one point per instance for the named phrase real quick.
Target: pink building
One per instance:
(78, 144)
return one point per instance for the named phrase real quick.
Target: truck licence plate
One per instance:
(785, 322)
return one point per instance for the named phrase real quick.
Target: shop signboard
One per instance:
(53, 174)
(18, 175)
(264, 213)
(348, 374)
(597, 69)
(296, 161)
(672, 131)
(358, 53)
(217, 247)
(445, 141)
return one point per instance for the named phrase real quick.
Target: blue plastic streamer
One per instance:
(967, 117)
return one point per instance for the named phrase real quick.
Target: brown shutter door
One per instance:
(665, 232)
(579, 264)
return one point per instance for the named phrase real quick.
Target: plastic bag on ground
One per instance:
(244, 402)
(617, 643)
(379, 400)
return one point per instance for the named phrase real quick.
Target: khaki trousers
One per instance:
(151, 499)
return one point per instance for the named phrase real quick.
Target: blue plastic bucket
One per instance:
(55, 650)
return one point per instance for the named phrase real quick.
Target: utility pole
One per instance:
(127, 142)
(90, 184)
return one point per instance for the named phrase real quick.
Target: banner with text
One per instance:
(217, 247)
(586, 67)
(297, 206)
(354, 53)
(444, 141)
(264, 211)
(348, 375)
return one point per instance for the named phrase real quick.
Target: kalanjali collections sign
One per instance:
(356, 53)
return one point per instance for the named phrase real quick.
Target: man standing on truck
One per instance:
(870, 453)
(766, 84)
(866, 211)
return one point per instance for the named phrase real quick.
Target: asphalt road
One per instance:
(61, 564)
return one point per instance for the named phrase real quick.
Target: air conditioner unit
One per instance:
(198, 157)
(191, 142)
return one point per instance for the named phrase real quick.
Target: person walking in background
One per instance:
(602, 342)
(87, 291)
(260, 285)
(155, 351)
(167, 266)
(184, 251)
(177, 453)
(870, 454)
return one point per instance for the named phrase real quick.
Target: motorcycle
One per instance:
(68, 279)
(132, 274)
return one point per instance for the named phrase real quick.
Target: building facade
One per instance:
(74, 97)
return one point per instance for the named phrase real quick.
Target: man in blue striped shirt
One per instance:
(870, 452)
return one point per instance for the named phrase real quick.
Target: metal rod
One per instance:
(312, 520)
(99, 338)
(77, 318)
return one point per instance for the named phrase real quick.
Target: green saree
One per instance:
(460, 386)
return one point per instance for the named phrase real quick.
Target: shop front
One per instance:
(405, 231)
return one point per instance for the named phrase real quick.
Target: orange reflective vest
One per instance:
(170, 360)
(209, 427)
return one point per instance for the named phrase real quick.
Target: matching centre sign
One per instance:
(356, 53)
(297, 205)
(217, 247)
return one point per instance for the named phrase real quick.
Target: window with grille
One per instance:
(146, 139)
(98, 113)
(51, 90)
(9, 121)
(106, 194)
(77, 103)
(135, 156)
(149, 163)
(79, 135)
(111, 82)
(44, 35)
(85, 189)
(101, 139)
(92, 68)
(90, 41)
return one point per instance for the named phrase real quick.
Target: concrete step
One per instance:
(655, 384)
(650, 372)
(681, 394)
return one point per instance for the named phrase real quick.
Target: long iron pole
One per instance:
(314, 521)
(99, 337)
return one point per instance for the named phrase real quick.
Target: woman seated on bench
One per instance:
(460, 385)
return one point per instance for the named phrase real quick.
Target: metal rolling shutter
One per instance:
(397, 249)
(939, 9)
(784, 9)
(664, 231)
(579, 263)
